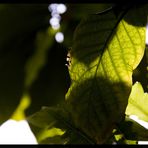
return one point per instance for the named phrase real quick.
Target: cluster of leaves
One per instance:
(108, 49)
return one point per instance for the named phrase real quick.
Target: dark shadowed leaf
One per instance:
(50, 118)
(133, 130)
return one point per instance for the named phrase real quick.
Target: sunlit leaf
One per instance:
(47, 133)
(138, 102)
(106, 49)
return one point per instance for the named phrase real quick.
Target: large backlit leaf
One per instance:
(57, 127)
(138, 102)
(106, 49)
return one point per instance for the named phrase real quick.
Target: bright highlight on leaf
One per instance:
(138, 102)
(141, 122)
(142, 142)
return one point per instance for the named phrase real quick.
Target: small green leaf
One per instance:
(48, 135)
(138, 102)
(106, 49)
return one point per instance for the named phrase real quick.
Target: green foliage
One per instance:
(90, 101)
(138, 102)
(105, 52)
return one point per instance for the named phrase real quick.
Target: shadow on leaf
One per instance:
(96, 105)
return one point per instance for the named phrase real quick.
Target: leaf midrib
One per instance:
(103, 49)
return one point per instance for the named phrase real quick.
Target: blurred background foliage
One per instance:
(32, 64)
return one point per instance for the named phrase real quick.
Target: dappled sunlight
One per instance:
(59, 37)
(56, 10)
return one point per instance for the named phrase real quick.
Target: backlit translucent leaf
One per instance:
(106, 49)
(138, 102)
